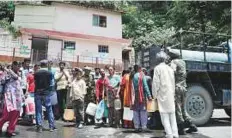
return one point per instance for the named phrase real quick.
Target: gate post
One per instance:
(96, 61)
(32, 53)
(78, 59)
(114, 62)
(13, 56)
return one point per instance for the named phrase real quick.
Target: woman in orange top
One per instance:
(126, 95)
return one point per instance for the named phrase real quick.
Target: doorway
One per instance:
(126, 59)
(39, 49)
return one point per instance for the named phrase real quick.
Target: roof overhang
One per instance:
(61, 35)
(127, 49)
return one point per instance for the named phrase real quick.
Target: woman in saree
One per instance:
(126, 95)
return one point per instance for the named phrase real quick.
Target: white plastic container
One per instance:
(117, 104)
(91, 109)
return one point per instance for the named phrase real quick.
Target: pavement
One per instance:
(218, 127)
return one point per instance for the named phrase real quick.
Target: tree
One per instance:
(146, 24)
(14, 31)
(200, 14)
(150, 22)
(7, 10)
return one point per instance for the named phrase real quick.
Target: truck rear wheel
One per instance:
(198, 104)
(228, 111)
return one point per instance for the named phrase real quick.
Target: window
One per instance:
(69, 45)
(99, 21)
(146, 59)
(146, 53)
(103, 49)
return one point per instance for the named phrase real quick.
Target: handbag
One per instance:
(127, 114)
(152, 106)
(69, 114)
(54, 98)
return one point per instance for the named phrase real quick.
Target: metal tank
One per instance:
(199, 56)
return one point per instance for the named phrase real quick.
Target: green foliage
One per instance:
(7, 10)
(202, 16)
(101, 4)
(14, 31)
(157, 36)
(154, 22)
(146, 25)
(150, 21)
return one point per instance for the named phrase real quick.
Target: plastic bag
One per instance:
(54, 98)
(30, 105)
(152, 106)
(69, 114)
(127, 114)
(106, 111)
(100, 110)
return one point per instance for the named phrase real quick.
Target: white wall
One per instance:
(8, 43)
(54, 49)
(26, 42)
(39, 17)
(87, 51)
(71, 18)
(67, 18)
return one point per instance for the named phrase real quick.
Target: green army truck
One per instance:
(208, 78)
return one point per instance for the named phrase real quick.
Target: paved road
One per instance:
(218, 127)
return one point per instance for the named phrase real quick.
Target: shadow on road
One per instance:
(25, 123)
(70, 125)
(218, 122)
(133, 131)
(195, 135)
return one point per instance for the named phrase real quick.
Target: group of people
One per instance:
(77, 88)
(169, 88)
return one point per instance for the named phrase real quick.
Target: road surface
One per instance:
(218, 127)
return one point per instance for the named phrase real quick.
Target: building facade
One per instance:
(79, 35)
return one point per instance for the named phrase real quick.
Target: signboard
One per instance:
(69, 47)
(103, 55)
(24, 50)
(69, 50)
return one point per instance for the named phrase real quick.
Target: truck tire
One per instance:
(228, 111)
(198, 104)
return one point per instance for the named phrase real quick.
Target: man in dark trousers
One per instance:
(182, 118)
(90, 95)
(62, 79)
(43, 92)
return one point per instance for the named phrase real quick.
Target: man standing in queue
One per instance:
(183, 120)
(102, 85)
(62, 81)
(90, 95)
(43, 92)
(112, 94)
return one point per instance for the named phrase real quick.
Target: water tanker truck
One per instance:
(208, 79)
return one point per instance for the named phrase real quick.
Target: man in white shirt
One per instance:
(77, 96)
(163, 88)
(62, 80)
